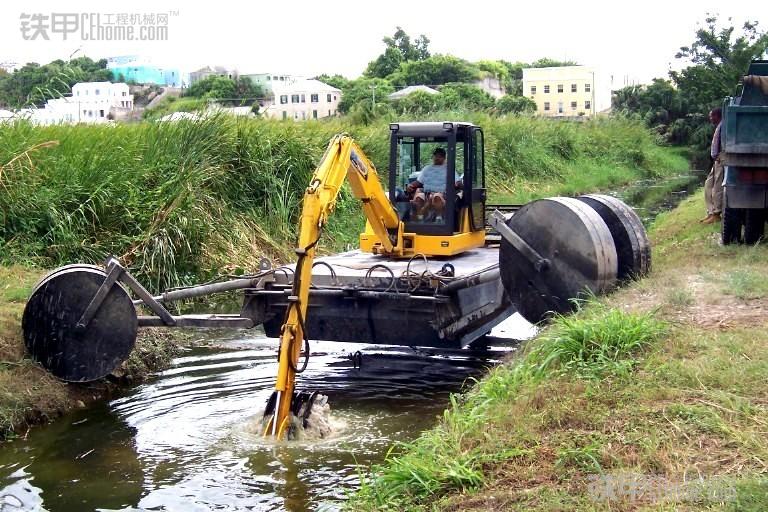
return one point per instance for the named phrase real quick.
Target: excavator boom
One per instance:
(343, 160)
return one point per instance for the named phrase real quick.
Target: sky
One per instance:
(632, 42)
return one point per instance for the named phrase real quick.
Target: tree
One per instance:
(363, 90)
(435, 70)
(399, 49)
(658, 104)
(419, 103)
(468, 96)
(212, 87)
(719, 57)
(514, 105)
(337, 81)
(546, 62)
(677, 109)
(33, 84)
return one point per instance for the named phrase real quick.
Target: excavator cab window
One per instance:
(438, 161)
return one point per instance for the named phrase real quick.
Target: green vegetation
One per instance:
(406, 61)
(633, 386)
(185, 201)
(33, 84)
(678, 107)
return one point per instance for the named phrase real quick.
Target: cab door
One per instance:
(478, 193)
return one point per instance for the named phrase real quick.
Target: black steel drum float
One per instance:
(54, 331)
(555, 250)
(81, 322)
(632, 246)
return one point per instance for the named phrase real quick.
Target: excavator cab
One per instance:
(459, 224)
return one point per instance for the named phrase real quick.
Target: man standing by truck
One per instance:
(713, 187)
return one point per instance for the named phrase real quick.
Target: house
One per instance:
(90, 102)
(565, 91)
(207, 71)
(492, 86)
(266, 80)
(300, 99)
(402, 93)
(131, 68)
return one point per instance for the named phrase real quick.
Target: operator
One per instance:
(428, 190)
(713, 187)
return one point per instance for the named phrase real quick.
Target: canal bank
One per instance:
(665, 390)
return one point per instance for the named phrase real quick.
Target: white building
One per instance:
(90, 102)
(267, 81)
(301, 99)
(492, 86)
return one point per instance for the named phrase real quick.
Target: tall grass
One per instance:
(180, 201)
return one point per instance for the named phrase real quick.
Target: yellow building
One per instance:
(566, 91)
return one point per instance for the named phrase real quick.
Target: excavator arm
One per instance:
(342, 160)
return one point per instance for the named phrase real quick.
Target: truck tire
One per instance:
(733, 219)
(754, 225)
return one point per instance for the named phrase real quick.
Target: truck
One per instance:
(744, 139)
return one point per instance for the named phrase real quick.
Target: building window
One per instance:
(546, 105)
(573, 105)
(329, 113)
(559, 107)
(314, 98)
(587, 105)
(533, 89)
(303, 99)
(334, 97)
(294, 98)
(546, 89)
(314, 114)
(574, 88)
(328, 99)
(587, 87)
(101, 113)
(559, 87)
(283, 99)
(285, 114)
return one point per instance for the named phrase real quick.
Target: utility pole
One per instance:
(373, 99)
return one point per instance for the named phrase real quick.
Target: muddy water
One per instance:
(187, 439)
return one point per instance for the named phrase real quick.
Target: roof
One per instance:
(427, 129)
(411, 89)
(302, 85)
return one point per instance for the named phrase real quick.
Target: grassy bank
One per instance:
(186, 201)
(29, 394)
(662, 386)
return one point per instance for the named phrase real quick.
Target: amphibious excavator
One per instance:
(436, 267)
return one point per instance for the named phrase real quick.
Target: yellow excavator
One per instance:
(432, 269)
(386, 232)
